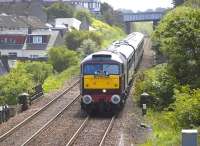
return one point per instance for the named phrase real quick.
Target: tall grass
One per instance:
(165, 130)
(56, 81)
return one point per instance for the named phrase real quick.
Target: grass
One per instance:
(56, 81)
(108, 33)
(165, 131)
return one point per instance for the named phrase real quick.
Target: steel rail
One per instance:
(50, 121)
(71, 141)
(11, 131)
(107, 130)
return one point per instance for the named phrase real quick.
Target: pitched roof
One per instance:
(11, 21)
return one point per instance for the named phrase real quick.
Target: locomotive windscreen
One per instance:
(101, 69)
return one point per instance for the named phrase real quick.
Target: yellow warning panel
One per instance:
(101, 82)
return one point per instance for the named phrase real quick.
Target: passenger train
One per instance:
(106, 75)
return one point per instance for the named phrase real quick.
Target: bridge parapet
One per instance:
(144, 16)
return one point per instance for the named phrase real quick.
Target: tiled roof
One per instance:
(33, 21)
(10, 21)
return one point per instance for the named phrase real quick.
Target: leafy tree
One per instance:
(14, 83)
(39, 70)
(159, 83)
(178, 2)
(83, 15)
(179, 35)
(192, 3)
(88, 46)
(75, 38)
(187, 107)
(61, 58)
(110, 16)
(59, 10)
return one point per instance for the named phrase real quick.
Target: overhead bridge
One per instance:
(141, 17)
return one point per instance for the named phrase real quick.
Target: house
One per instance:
(94, 6)
(67, 23)
(33, 45)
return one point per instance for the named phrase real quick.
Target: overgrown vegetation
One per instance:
(56, 81)
(174, 86)
(61, 58)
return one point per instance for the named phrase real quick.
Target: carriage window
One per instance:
(101, 69)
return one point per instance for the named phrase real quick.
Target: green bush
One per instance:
(159, 83)
(187, 107)
(83, 15)
(179, 34)
(59, 10)
(62, 58)
(75, 38)
(39, 70)
(88, 47)
(56, 81)
(14, 83)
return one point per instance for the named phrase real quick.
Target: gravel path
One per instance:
(27, 130)
(36, 105)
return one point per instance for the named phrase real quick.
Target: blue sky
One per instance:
(139, 5)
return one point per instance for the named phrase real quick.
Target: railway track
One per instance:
(22, 133)
(86, 132)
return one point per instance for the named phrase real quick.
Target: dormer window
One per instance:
(37, 39)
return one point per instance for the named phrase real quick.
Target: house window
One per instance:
(34, 56)
(12, 54)
(37, 39)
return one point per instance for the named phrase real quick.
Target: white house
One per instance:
(69, 23)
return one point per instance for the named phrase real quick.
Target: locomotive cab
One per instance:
(101, 76)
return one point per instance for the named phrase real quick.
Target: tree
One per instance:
(88, 46)
(59, 10)
(178, 2)
(179, 35)
(159, 83)
(187, 109)
(62, 58)
(39, 70)
(110, 16)
(74, 39)
(83, 15)
(14, 83)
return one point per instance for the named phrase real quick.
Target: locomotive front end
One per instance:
(101, 84)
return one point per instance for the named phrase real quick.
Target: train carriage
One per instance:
(106, 75)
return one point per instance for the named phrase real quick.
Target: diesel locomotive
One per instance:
(106, 75)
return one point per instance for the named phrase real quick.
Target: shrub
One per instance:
(62, 58)
(187, 107)
(14, 83)
(75, 38)
(39, 70)
(159, 83)
(87, 47)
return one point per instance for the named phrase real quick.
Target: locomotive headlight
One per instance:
(104, 90)
(87, 99)
(115, 99)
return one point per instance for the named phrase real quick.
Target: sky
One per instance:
(138, 5)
